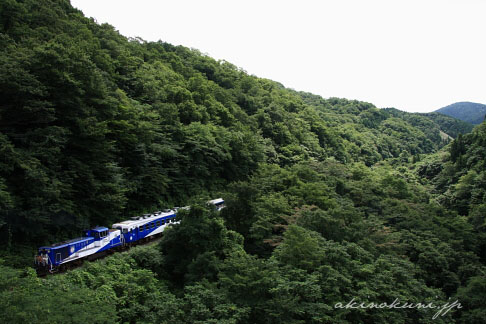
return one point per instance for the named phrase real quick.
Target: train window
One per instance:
(125, 231)
(141, 228)
(147, 227)
(153, 225)
(96, 235)
(157, 223)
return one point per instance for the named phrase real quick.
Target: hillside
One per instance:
(327, 199)
(450, 125)
(459, 176)
(469, 112)
(146, 125)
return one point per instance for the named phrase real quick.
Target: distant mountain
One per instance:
(467, 111)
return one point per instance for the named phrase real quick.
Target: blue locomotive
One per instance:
(101, 240)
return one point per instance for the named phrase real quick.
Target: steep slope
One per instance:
(469, 112)
(458, 177)
(458, 174)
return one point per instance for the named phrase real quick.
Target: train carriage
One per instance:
(145, 226)
(52, 257)
(218, 203)
(99, 240)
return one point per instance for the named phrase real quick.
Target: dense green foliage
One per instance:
(327, 199)
(459, 179)
(95, 127)
(449, 125)
(470, 112)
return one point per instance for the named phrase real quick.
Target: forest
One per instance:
(327, 200)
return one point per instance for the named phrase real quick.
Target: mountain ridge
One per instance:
(470, 112)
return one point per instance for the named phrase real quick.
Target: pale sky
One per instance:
(412, 55)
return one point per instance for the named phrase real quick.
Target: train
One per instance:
(99, 241)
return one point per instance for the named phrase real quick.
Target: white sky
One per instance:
(412, 55)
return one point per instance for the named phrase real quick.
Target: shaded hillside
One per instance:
(459, 178)
(459, 173)
(450, 125)
(433, 122)
(470, 112)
